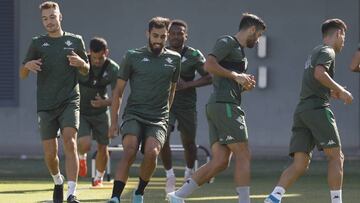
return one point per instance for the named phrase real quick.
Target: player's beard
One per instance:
(176, 44)
(251, 41)
(156, 50)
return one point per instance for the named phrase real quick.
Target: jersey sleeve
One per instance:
(325, 58)
(176, 74)
(114, 75)
(221, 48)
(32, 53)
(200, 60)
(81, 50)
(125, 68)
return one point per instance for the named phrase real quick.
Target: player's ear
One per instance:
(147, 33)
(107, 52)
(60, 17)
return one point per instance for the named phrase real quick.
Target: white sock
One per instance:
(58, 179)
(82, 156)
(71, 188)
(278, 192)
(99, 175)
(189, 187)
(170, 173)
(336, 196)
(244, 194)
(188, 172)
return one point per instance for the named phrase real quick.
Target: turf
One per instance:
(28, 181)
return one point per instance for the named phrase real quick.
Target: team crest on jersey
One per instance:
(68, 43)
(45, 44)
(105, 74)
(169, 60)
(145, 60)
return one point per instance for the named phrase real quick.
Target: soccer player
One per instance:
(183, 109)
(56, 58)
(228, 132)
(314, 123)
(94, 111)
(153, 71)
(355, 62)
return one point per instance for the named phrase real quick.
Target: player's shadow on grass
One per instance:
(24, 191)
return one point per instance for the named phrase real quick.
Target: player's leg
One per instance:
(155, 137)
(187, 127)
(236, 138)
(84, 144)
(242, 158)
(219, 162)
(325, 132)
(301, 145)
(130, 130)
(100, 129)
(48, 130)
(69, 124)
(166, 156)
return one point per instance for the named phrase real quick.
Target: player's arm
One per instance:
(117, 95)
(76, 61)
(33, 66)
(212, 66)
(172, 93)
(355, 62)
(202, 81)
(324, 78)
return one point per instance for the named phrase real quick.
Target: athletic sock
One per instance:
(141, 187)
(118, 189)
(189, 187)
(71, 188)
(244, 194)
(278, 192)
(58, 179)
(170, 173)
(188, 172)
(99, 175)
(336, 196)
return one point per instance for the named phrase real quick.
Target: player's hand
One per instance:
(247, 81)
(75, 60)
(181, 85)
(113, 131)
(34, 65)
(346, 96)
(98, 102)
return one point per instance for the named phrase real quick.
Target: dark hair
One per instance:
(159, 22)
(179, 22)
(331, 25)
(48, 5)
(249, 20)
(98, 44)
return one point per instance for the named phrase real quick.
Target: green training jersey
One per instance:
(231, 56)
(150, 79)
(313, 94)
(192, 61)
(57, 82)
(94, 84)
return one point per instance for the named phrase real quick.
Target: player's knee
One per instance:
(151, 153)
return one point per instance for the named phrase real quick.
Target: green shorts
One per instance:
(226, 123)
(186, 119)
(97, 126)
(51, 121)
(143, 131)
(314, 127)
